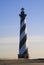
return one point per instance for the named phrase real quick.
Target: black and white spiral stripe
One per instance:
(23, 37)
(23, 51)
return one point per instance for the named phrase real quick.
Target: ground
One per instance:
(22, 62)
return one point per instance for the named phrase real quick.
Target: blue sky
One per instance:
(9, 16)
(10, 25)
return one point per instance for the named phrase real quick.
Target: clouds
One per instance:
(9, 47)
(16, 39)
(36, 46)
(9, 40)
(36, 38)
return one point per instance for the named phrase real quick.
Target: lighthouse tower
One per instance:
(23, 51)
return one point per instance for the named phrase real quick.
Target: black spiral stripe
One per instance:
(23, 41)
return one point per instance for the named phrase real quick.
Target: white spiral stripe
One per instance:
(22, 50)
(21, 25)
(22, 35)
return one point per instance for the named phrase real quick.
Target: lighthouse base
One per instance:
(24, 55)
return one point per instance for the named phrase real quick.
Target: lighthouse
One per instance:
(23, 50)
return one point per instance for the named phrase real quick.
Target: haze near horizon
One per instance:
(10, 27)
